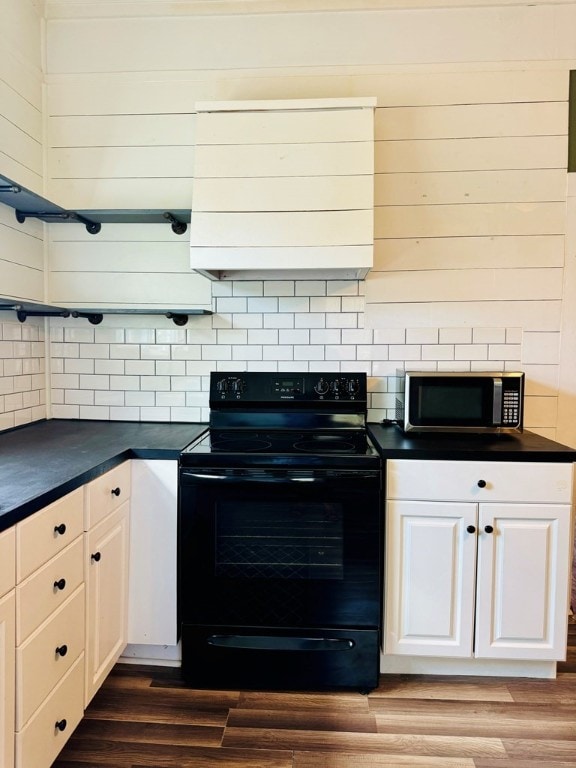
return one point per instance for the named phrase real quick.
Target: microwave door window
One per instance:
(449, 405)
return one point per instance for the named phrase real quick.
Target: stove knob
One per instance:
(337, 387)
(353, 387)
(321, 387)
(222, 386)
(237, 386)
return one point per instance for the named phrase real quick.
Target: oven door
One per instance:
(277, 547)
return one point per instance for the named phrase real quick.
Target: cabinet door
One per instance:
(7, 678)
(523, 581)
(7, 560)
(152, 602)
(430, 572)
(106, 596)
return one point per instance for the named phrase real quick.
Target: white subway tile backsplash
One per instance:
(124, 383)
(310, 320)
(138, 368)
(108, 366)
(94, 381)
(280, 288)
(80, 365)
(326, 304)
(280, 320)
(340, 352)
(455, 335)
(161, 373)
(294, 336)
(471, 352)
(247, 352)
(231, 305)
(309, 352)
(261, 305)
(140, 336)
(310, 288)
(155, 351)
(140, 399)
(249, 321)
(124, 351)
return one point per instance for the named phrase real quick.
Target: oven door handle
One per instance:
(258, 478)
(281, 643)
(189, 477)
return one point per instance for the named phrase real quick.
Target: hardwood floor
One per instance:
(144, 716)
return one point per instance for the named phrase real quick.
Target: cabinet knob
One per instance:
(60, 584)
(60, 725)
(115, 491)
(96, 557)
(488, 529)
(471, 529)
(481, 483)
(62, 650)
(61, 529)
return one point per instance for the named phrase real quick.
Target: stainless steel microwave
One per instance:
(460, 402)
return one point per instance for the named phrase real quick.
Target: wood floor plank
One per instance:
(442, 687)
(149, 733)
(350, 702)
(144, 707)
(107, 753)
(438, 746)
(301, 719)
(548, 749)
(371, 760)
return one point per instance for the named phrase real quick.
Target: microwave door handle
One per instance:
(497, 402)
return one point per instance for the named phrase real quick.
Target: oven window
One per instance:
(264, 540)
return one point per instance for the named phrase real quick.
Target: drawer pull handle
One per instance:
(61, 529)
(489, 529)
(60, 584)
(481, 483)
(62, 650)
(60, 725)
(115, 491)
(96, 557)
(471, 529)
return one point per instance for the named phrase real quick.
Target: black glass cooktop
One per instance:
(284, 441)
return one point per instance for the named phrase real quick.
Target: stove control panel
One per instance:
(258, 387)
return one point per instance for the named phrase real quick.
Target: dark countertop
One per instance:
(41, 462)
(392, 443)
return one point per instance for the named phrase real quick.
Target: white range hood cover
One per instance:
(284, 189)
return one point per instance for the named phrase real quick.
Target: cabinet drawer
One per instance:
(39, 665)
(48, 532)
(106, 493)
(7, 560)
(48, 588)
(481, 481)
(40, 742)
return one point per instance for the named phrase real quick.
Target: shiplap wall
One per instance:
(22, 349)
(470, 173)
(21, 144)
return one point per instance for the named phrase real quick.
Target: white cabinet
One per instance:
(284, 188)
(106, 573)
(477, 559)
(50, 603)
(153, 558)
(7, 646)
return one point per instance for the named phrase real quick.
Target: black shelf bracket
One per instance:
(93, 227)
(178, 227)
(22, 313)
